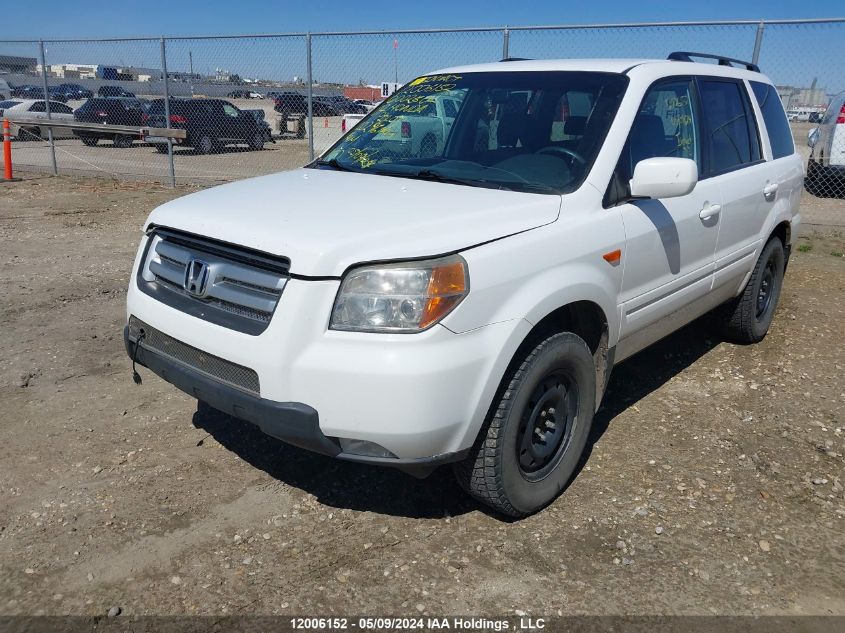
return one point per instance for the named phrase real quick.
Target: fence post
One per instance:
(758, 41)
(47, 106)
(506, 43)
(310, 79)
(167, 113)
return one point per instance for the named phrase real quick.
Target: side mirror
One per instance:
(664, 177)
(812, 137)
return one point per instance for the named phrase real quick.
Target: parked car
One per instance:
(344, 105)
(468, 305)
(288, 103)
(369, 105)
(6, 91)
(239, 94)
(210, 124)
(73, 91)
(37, 109)
(8, 103)
(826, 165)
(28, 92)
(56, 94)
(113, 91)
(109, 111)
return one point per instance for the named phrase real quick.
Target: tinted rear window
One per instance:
(730, 133)
(777, 126)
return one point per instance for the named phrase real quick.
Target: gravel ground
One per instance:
(714, 483)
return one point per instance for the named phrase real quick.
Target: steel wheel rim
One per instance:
(766, 290)
(546, 425)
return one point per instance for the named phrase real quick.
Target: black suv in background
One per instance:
(294, 103)
(210, 124)
(73, 91)
(113, 91)
(111, 112)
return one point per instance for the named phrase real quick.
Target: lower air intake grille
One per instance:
(212, 366)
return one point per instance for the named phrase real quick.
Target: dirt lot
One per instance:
(714, 484)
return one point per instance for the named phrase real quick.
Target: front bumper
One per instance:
(294, 423)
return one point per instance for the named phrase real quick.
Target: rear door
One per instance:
(670, 242)
(237, 124)
(735, 162)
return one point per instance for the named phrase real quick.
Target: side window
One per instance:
(666, 125)
(231, 110)
(60, 108)
(449, 108)
(780, 134)
(38, 106)
(729, 131)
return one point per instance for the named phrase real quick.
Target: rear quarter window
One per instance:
(780, 134)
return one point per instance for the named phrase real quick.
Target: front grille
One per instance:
(241, 288)
(208, 364)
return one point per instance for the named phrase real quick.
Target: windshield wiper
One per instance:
(436, 176)
(333, 163)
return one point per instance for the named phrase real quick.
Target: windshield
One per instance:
(522, 131)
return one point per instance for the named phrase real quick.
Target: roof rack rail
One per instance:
(686, 56)
(516, 59)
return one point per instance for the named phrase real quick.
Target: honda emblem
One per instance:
(196, 278)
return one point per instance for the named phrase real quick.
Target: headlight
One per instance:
(402, 297)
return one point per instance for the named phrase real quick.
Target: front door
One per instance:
(670, 243)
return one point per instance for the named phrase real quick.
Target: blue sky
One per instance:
(93, 18)
(790, 55)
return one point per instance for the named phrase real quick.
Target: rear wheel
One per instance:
(428, 146)
(205, 145)
(747, 318)
(161, 149)
(536, 432)
(123, 140)
(90, 141)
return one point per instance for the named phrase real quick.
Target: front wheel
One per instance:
(748, 317)
(537, 429)
(89, 141)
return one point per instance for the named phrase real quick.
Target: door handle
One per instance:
(769, 191)
(709, 211)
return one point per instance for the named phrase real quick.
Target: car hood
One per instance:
(326, 220)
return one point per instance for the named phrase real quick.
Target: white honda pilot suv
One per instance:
(464, 298)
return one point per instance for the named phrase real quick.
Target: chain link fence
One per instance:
(255, 105)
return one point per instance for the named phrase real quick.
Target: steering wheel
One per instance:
(562, 152)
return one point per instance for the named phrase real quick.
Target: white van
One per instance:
(826, 167)
(410, 306)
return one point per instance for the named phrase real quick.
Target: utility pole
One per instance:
(191, 75)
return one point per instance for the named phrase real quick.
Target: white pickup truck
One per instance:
(464, 301)
(420, 129)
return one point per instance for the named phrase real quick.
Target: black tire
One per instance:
(29, 134)
(123, 141)
(257, 142)
(204, 145)
(428, 146)
(161, 149)
(300, 128)
(514, 466)
(814, 181)
(90, 141)
(747, 318)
